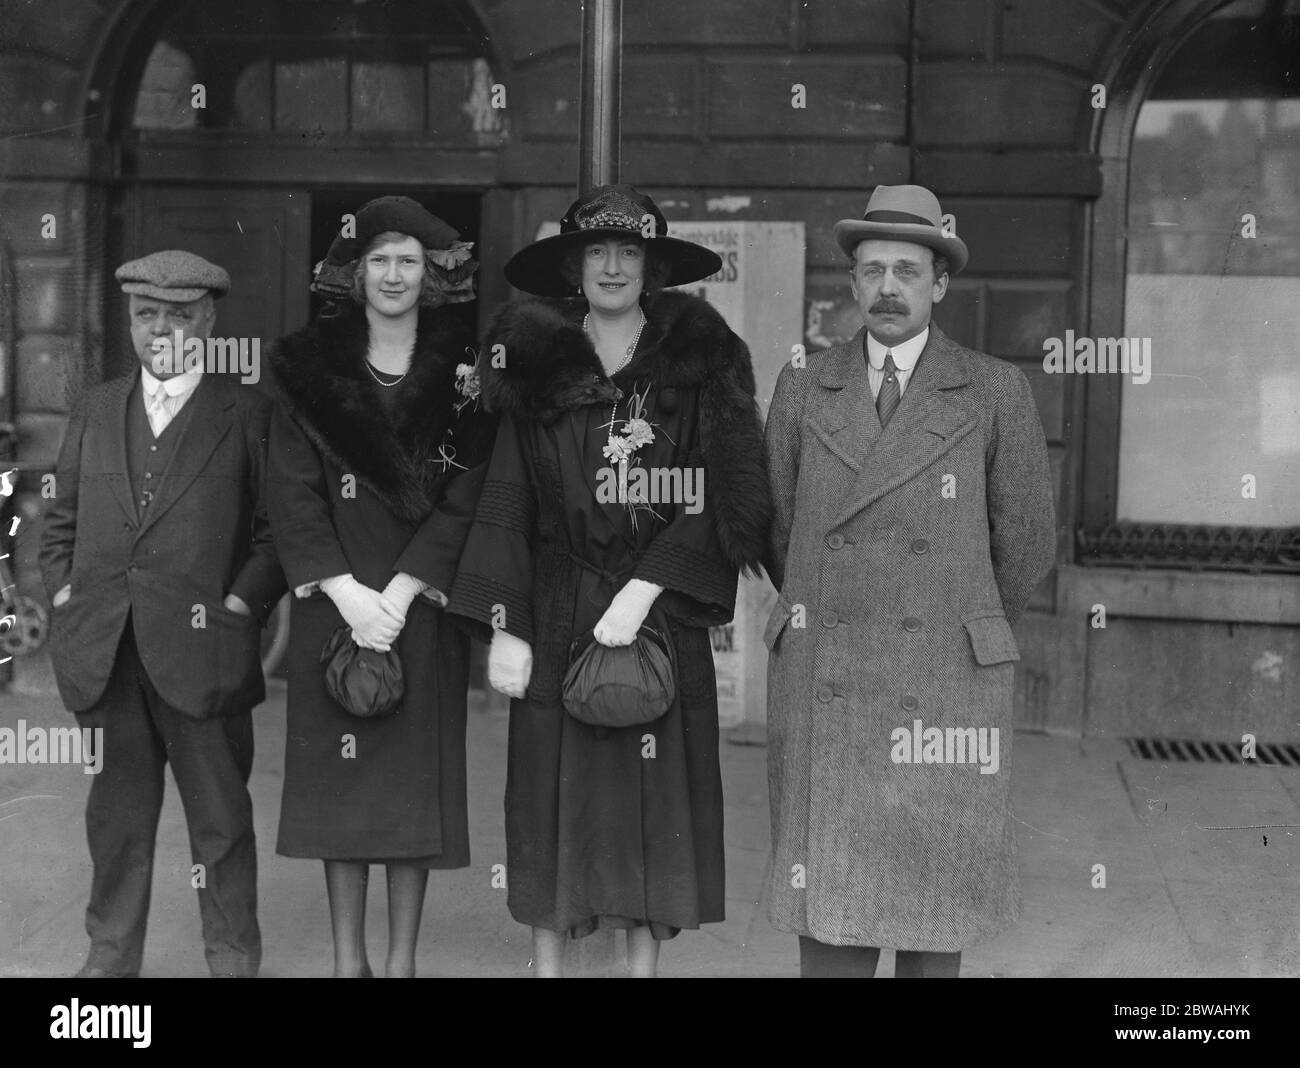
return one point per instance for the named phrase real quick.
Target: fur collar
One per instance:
(550, 367)
(320, 378)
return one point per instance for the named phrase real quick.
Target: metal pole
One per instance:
(600, 94)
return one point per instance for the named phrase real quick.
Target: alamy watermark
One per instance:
(211, 355)
(1073, 355)
(53, 745)
(623, 484)
(920, 744)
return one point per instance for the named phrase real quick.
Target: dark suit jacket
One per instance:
(204, 536)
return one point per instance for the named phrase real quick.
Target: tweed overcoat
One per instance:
(901, 555)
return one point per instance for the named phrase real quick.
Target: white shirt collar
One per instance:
(173, 387)
(905, 354)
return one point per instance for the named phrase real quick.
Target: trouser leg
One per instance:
(211, 760)
(916, 964)
(122, 816)
(817, 960)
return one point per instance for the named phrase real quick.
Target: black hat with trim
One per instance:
(604, 212)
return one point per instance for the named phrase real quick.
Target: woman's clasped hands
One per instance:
(375, 620)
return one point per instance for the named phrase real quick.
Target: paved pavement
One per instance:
(1191, 886)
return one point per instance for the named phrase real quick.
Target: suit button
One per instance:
(153, 448)
(829, 620)
(910, 703)
(911, 624)
(148, 474)
(920, 546)
(836, 541)
(133, 567)
(825, 695)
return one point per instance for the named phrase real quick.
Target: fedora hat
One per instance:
(903, 213)
(604, 212)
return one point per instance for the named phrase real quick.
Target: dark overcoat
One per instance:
(205, 535)
(614, 826)
(901, 556)
(359, 489)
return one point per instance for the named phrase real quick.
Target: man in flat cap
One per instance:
(157, 554)
(914, 518)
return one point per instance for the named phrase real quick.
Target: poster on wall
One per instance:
(760, 292)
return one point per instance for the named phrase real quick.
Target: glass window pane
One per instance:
(311, 94)
(163, 101)
(1213, 287)
(387, 96)
(1223, 401)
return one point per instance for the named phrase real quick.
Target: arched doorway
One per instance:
(244, 131)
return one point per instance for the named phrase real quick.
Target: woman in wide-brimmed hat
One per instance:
(610, 390)
(377, 452)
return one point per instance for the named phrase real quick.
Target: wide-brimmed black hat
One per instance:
(607, 211)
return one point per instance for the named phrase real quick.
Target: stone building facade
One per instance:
(1021, 114)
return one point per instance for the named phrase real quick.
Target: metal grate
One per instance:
(1195, 751)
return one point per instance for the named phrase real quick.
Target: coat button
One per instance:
(829, 620)
(911, 624)
(910, 703)
(825, 695)
(920, 546)
(133, 567)
(836, 541)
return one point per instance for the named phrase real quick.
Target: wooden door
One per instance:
(261, 237)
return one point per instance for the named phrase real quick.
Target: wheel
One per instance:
(28, 629)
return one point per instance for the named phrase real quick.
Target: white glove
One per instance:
(401, 590)
(626, 612)
(510, 664)
(374, 620)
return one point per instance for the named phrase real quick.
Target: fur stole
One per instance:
(320, 378)
(550, 367)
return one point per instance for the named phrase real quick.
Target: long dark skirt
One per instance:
(618, 827)
(391, 788)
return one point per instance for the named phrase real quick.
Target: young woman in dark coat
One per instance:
(377, 454)
(612, 827)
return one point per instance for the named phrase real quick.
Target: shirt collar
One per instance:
(905, 355)
(173, 387)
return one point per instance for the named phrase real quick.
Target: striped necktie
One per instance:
(889, 395)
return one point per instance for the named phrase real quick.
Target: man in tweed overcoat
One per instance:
(914, 518)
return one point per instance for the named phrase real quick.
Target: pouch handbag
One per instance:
(621, 686)
(367, 683)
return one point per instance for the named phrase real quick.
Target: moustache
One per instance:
(883, 306)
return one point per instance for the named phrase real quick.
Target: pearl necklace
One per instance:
(627, 358)
(387, 385)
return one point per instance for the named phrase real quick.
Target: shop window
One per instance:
(1208, 470)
